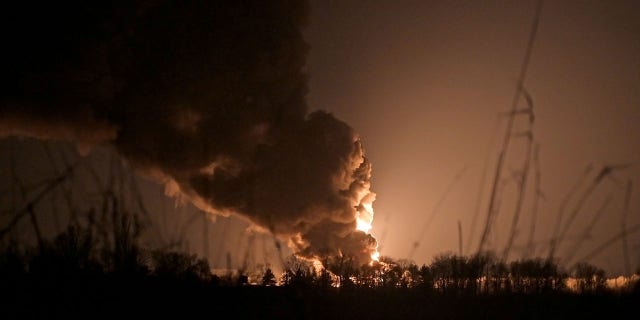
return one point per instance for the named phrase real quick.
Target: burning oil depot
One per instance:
(222, 123)
(220, 140)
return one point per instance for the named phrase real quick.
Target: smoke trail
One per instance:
(208, 96)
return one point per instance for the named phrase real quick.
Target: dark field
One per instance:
(123, 297)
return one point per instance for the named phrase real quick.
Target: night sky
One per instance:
(425, 85)
(424, 82)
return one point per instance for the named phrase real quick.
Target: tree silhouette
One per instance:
(71, 253)
(180, 266)
(268, 278)
(298, 273)
(426, 278)
(589, 278)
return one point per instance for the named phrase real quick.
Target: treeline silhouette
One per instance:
(81, 273)
(100, 267)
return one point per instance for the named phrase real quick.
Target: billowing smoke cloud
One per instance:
(207, 95)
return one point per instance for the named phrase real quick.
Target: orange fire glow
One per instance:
(364, 220)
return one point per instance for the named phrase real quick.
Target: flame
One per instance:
(317, 266)
(363, 225)
(364, 219)
(375, 256)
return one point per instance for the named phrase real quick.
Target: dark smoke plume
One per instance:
(208, 96)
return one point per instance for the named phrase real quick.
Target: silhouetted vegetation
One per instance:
(75, 275)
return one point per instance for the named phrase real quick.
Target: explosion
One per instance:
(206, 96)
